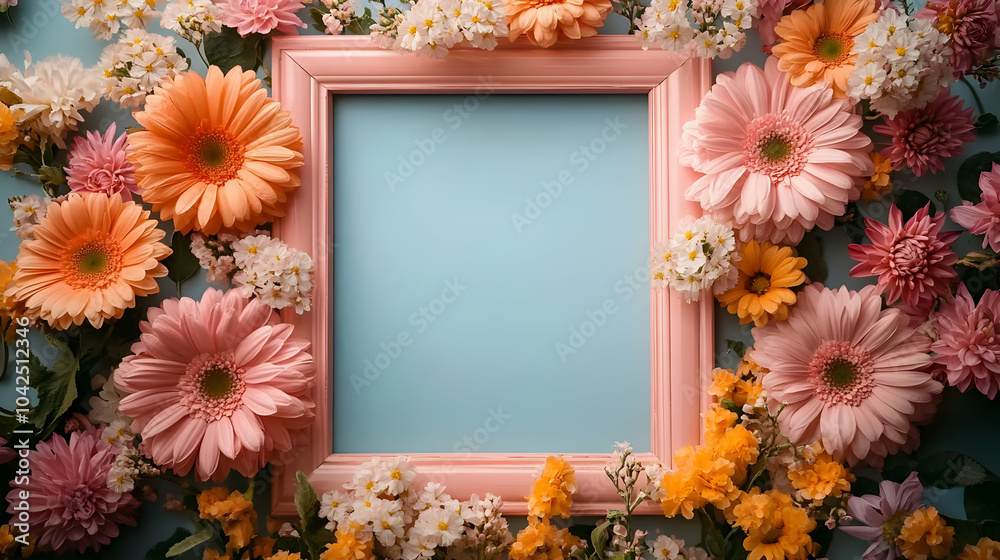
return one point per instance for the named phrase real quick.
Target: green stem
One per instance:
(975, 95)
(906, 6)
(197, 49)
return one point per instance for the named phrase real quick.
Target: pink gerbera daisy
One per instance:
(850, 374)
(97, 164)
(71, 509)
(971, 26)
(777, 159)
(261, 16)
(968, 349)
(923, 138)
(217, 384)
(983, 218)
(912, 260)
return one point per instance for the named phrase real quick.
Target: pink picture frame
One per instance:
(307, 70)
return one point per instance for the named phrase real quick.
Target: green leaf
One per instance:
(314, 531)
(203, 535)
(911, 201)
(951, 469)
(986, 122)
(736, 346)
(159, 552)
(181, 264)
(599, 538)
(982, 501)
(317, 16)
(290, 545)
(361, 25)
(227, 50)
(812, 249)
(969, 532)
(969, 172)
(51, 175)
(56, 387)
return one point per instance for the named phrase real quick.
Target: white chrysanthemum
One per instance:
(442, 526)
(395, 475)
(335, 507)
(700, 256)
(192, 19)
(105, 18)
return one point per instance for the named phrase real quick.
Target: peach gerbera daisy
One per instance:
(216, 152)
(817, 43)
(544, 21)
(91, 256)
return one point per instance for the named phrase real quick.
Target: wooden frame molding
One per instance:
(307, 71)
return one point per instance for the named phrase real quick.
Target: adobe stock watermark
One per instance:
(597, 318)
(471, 443)
(420, 320)
(453, 118)
(580, 161)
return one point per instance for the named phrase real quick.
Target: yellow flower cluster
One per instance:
(348, 546)
(552, 493)
(234, 512)
(742, 386)
(819, 476)
(776, 528)
(925, 535)
(880, 183)
(10, 135)
(985, 549)
(709, 474)
(541, 541)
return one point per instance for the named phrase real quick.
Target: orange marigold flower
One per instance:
(541, 541)
(985, 549)
(348, 546)
(816, 44)
(10, 308)
(215, 152)
(763, 292)
(717, 421)
(714, 477)
(740, 446)
(285, 555)
(820, 476)
(552, 493)
(233, 511)
(723, 384)
(925, 535)
(776, 528)
(880, 183)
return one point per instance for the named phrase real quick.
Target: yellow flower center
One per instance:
(396, 475)
(442, 526)
(693, 255)
(893, 526)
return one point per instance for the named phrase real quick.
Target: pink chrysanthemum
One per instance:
(923, 138)
(968, 349)
(851, 374)
(983, 218)
(261, 16)
(971, 25)
(97, 164)
(777, 160)
(71, 507)
(217, 384)
(912, 260)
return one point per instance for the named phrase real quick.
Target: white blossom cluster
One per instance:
(53, 93)
(136, 64)
(672, 548)
(902, 63)
(259, 265)
(340, 14)
(128, 464)
(386, 30)
(701, 256)
(719, 26)
(28, 211)
(192, 19)
(381, 504)
(432, 27)
(105, 18)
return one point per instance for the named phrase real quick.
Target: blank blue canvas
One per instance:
(490, 273)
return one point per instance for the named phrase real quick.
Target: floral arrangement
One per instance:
(810, 431)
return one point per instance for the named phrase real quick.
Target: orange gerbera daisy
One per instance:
(543, 21)
(216, 152)
(762, 291)
(817, 43)
(91, 256)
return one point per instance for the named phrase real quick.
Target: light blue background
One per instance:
(964, 422)
(536, 227)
